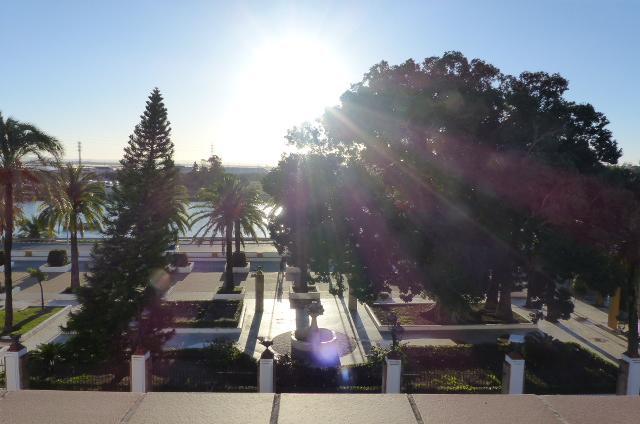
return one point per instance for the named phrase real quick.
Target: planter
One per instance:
(240, 269)
(291, 273)
(310, 295)
(2, 266)
(185, 269)
(47, 268)
(230, 296)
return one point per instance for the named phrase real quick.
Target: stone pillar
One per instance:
(352, 301)
(513, 374)
(141, 371)
(259, 291)
(629, 376)
(392, 374)
(266, 380)
(15, 360)
(302, 322)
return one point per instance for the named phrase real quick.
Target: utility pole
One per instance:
(79, 153)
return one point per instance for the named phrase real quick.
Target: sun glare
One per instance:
(288, 80)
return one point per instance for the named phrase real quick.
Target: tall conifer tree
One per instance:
(142, 220)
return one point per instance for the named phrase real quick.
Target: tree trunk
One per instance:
(632, 299)
(228, 275)
(41, 295)
(238, 235)
(75, 266)
(504, 310)
(8, 244)
(492, 294)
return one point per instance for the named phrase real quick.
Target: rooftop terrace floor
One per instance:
(44, 407)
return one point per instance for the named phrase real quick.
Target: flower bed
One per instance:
(552, 367)
(204, 314)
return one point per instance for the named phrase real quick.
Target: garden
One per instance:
(204, 314)
(552, 367)
(424, 314)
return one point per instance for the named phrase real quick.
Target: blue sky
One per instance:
(238, 74)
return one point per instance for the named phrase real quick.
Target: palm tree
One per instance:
(34, 228)
(75, 202)
(18, 141)
(218, 215)
(249, 216)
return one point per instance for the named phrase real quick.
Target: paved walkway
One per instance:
(45, 407)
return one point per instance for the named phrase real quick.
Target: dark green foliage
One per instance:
(1, 258)
(57, 258)
(239, 259)
(443, 176)
(179, 260)
(145, 211)
(554, 367)
(295, 377)
(206, 174)
(219, 367)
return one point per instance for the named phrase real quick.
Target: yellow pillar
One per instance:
(614, 310)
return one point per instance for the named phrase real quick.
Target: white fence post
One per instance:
(141, 372)
(14, 363)
(392, 375)
(629, 376)
(266, 380)
(513, 374)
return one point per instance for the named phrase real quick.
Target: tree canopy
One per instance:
(443, 175)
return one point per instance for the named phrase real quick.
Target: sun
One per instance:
(299, 76)
(288, 80)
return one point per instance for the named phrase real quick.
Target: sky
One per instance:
(236, 75)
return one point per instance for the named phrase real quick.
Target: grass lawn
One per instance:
(29, 318)
(421, 314)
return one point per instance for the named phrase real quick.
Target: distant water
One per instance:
(31, 209)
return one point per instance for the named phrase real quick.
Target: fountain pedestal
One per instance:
(309, 343)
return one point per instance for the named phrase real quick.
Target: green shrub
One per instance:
(57, 258)
(238, 259)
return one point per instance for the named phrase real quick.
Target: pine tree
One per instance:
(142, 220)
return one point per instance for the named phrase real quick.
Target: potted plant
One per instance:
(181, 264)
(239, 262)
(57, 261)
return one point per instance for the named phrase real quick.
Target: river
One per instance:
(31, 209)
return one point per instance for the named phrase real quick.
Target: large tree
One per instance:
(128, 265)
(75, 202)
(21, 146)
(457, 143)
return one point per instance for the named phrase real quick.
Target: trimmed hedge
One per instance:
(57, 258)
(205, 313)
(179, 260)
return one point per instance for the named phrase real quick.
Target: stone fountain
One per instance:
(312, 344)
